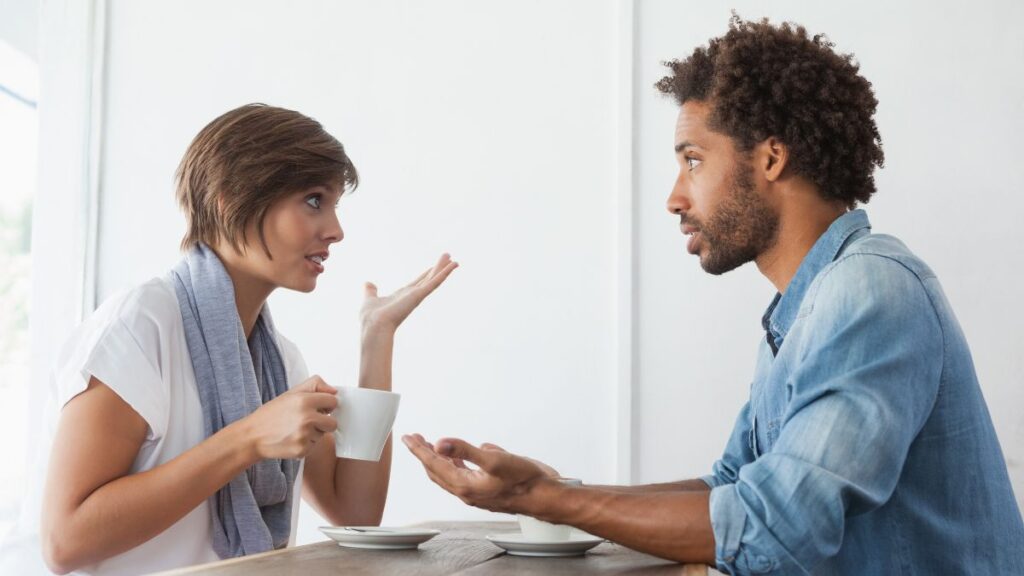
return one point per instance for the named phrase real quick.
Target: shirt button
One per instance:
(761, 564)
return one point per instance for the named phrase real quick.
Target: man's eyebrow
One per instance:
(684, 144)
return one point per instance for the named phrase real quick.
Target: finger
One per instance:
(460, 463)
(420, 448)
(324, 423)
(420, 277)
(425, 441)
(434, 281)
(437, 268)
(370, 290)
(442, 262)
(321, 401)
(310, 384)
(320, 386)
(430, 284)
(432, 461)
(489, 446)
(455, 448)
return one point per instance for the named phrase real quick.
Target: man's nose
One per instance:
(678, 201)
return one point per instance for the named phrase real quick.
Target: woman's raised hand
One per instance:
(388, 312)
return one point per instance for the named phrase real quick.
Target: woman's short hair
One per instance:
(247, 159)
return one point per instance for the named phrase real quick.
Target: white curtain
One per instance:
(61, 225)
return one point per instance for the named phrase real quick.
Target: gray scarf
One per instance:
(252, 513)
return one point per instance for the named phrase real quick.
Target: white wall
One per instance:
(950, 85)
(483, 129)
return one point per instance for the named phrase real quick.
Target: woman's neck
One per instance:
(251, 292)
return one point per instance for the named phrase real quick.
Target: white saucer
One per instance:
(378, 537)
(518, 545)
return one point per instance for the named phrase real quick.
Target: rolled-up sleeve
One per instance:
(737, 453)
(867, 372)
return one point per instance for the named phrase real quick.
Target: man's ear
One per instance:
(771, 157)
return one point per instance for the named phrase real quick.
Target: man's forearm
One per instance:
(673, 524)
(694, 485)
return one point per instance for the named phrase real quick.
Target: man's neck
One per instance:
(798, 230)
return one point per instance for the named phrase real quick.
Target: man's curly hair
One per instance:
(763, 80)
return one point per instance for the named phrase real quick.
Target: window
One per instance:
(18, 138)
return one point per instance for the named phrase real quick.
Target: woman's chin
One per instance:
(306, 285)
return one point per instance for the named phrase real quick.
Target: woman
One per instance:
(189, 426)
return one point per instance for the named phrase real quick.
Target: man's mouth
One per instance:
(693, 245)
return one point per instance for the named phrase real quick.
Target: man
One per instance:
(866, 446)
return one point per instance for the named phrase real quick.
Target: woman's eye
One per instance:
(313, 201)
(692, 162)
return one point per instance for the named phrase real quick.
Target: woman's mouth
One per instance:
(316, 261)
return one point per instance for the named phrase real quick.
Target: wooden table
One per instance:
(459, 549)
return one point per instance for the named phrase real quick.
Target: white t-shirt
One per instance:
(135, 344)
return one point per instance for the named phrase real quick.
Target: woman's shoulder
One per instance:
(149, 311)
(153, 299)
(124, 344)
(146, 313)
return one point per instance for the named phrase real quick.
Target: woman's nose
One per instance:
(334, 233)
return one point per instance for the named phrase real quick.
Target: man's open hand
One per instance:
(502, 482)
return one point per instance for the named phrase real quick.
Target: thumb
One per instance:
(370, 289)
(315, 384)
(462, 450)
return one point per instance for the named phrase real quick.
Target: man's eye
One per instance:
(314, 201)
(692, 162)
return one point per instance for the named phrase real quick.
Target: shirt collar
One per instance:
(782, 311)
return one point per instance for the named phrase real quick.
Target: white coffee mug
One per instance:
(365, 417)
(541, 531)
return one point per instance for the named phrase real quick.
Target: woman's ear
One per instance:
(772, 156)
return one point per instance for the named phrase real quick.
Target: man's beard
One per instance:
(742, 227)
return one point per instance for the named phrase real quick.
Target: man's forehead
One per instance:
(691, 124)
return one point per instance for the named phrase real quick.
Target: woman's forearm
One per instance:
(132, 509)
(361, 487)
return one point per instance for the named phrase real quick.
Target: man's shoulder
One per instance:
(876, 253)
(873, 268)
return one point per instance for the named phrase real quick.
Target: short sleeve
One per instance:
(294, 363)
(107, 348)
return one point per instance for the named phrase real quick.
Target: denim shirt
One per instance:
(866, 446)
